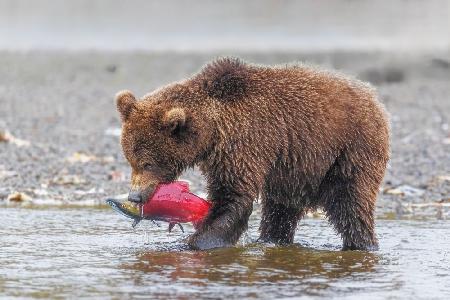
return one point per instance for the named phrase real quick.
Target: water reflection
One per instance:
(256, 264)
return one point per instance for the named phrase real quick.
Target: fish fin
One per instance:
(135, 222)
(171, 226)
(181, 227)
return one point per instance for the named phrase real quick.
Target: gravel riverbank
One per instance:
(59, 129)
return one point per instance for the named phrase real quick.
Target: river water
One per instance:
(94, 253)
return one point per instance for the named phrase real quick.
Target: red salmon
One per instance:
(171, 202)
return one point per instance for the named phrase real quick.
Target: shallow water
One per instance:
(94, 253)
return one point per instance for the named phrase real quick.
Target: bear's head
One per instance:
(161, 137)
(176, 126)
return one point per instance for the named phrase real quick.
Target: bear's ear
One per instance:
(225, 79)
(125, 101)
(175, 120)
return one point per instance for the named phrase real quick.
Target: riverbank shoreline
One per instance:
(61, 131)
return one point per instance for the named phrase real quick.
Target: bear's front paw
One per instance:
(207, 241)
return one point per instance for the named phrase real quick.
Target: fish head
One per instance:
(126, 208)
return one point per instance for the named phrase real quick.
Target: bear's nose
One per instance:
(135, 196)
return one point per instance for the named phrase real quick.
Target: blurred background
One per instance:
(205, 25)
(61, 63)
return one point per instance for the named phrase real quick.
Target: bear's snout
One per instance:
(143, 184)
(135, 196)
(140, 195)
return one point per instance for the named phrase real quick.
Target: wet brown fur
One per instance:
(295, 136)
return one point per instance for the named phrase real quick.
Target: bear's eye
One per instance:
(148, 167)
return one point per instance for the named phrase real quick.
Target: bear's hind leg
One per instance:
(279, 221)
(348, 195)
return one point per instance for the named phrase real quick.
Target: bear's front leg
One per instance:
(226, 220)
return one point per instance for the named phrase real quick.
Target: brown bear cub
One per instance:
(297, 137)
